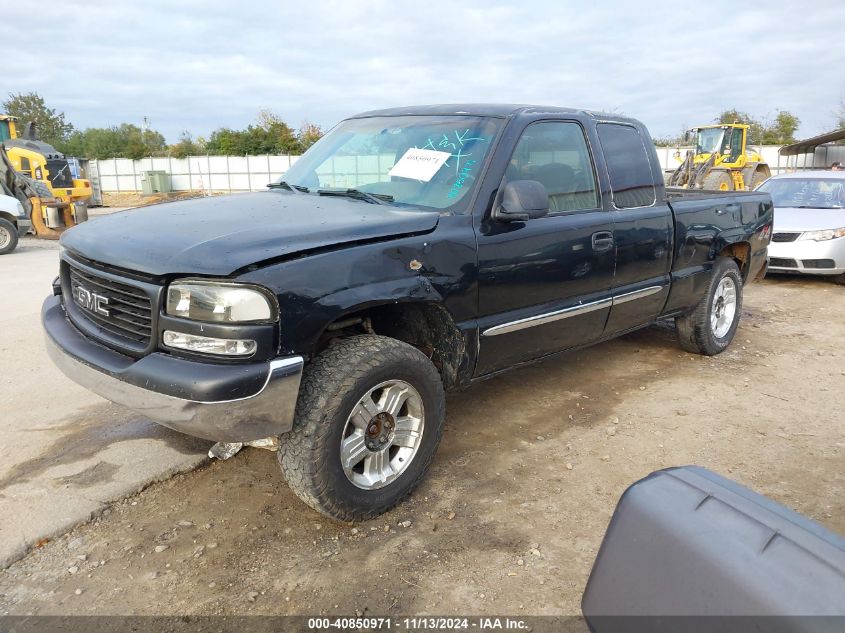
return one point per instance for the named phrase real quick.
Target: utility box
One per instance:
(155, 182)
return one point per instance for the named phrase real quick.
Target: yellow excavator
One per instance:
(721, 160)
(39, 176)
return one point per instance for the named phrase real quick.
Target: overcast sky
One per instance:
(201, 64)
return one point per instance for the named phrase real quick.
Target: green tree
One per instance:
(308, 134)
(755, 129)
(782, 130)
(187, 146)
(270, 135)
(30, 107)
(122, 141)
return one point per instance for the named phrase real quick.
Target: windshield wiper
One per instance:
(285, 185)
(373, 198)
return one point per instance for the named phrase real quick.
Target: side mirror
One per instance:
(522, 200)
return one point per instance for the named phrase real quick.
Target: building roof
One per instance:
(809, 145)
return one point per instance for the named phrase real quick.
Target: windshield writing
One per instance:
(425, 161)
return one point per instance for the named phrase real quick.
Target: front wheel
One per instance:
(8, 236)
(369, 419)
(711, 326)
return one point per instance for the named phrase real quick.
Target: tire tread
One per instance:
(327, 379)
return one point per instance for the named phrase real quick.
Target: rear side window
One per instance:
(628, 165)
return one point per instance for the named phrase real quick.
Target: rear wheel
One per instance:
(711, 326)
(8, 236)
(368, 421)
(718, 180)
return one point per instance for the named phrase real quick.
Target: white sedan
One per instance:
(809, 226)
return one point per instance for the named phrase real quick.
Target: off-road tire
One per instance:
(8, 236)
(757, 179)
(716, 179)
(332, 384)
(694, 330)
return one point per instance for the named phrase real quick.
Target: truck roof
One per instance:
(489, 109)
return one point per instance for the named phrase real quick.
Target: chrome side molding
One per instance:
(637, 294)
(565, 313)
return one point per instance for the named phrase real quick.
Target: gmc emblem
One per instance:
(91, 300)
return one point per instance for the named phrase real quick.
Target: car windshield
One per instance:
(709, 140)
(808, 193)
(425, 161)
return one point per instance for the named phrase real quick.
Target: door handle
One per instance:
(602, 241)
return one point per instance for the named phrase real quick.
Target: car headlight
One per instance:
(21, 211)
(217, 302)
(821, 236)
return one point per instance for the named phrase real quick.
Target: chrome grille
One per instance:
(129, 308)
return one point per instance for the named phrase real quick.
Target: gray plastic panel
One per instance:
(688, 542)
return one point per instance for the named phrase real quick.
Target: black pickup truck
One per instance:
(409, 252)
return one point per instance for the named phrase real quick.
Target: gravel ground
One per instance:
(513, 511)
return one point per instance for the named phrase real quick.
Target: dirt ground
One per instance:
(513, 511)
(137, 199)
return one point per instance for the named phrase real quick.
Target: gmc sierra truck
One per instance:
(409, 252)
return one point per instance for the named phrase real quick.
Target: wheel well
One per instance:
(8, 216)
(427, 326)
(740, 253)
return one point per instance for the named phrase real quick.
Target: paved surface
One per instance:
(64, 452)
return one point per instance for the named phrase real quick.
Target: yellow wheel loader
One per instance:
(43, 163)
(48, 216)
(721, 160)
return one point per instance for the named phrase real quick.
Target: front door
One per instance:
(545, 283)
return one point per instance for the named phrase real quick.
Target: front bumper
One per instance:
(224, 403)
(802, 256)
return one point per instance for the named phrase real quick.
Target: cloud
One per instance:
(200, 65)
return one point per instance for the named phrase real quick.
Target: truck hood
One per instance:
(792, 220)
(219, 235)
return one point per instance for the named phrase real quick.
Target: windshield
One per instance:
(427, 161)
(810, 193)
(709, 140)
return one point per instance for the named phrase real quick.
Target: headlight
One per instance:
(21, 212)
(219, 303)
(821, 236)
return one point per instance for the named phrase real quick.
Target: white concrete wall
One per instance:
(210, 174)
(215, 174)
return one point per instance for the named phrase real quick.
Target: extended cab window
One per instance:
(555, 154)
(628, 165)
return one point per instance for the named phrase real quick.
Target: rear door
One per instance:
(642, 227)
(544, 284)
